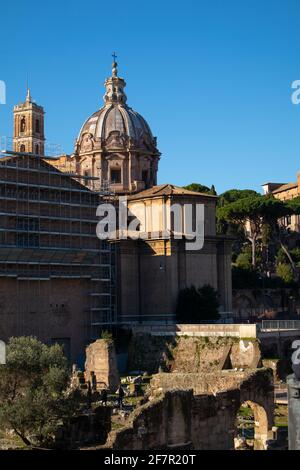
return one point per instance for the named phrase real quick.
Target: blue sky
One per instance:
(212, 78)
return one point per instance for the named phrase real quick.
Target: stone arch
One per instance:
(258, 392)
(261, 425)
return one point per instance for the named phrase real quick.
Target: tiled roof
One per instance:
(167, 190)
(285, 187)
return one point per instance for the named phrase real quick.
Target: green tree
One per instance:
(285, 272)
(194, 305)
(294, 205)
(233, 195)
(246, 213)
(244, 260)
(226, 225)
(34, 395)
(213, 190)
(272, 211)
(200, 188)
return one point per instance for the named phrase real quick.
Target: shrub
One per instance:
(285, 272)
(195, 305)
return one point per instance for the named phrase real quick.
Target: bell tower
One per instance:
(29, 127)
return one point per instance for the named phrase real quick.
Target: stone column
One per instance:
(294, 412)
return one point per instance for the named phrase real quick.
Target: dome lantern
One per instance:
(114, 86)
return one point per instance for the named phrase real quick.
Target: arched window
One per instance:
(37, 149)
(37, 125)
(23, 124)
(22, 148)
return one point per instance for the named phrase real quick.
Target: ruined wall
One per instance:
(192, 354)
(153, 352)
(246, 353)
(162, 423)
(214, 420)
(199, 354)
(278, 344)
(179, 418)
(280, 367)
(85, 428)
(207, 383)
(247, 303)
(101, 361)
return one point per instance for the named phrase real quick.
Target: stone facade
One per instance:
(29, 127)
(153, 269)
(116, 150)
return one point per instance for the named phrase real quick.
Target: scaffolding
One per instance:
(98, 315)
(52, 150)
(48, 233)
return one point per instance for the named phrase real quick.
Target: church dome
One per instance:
(115, 121)
(116, 117)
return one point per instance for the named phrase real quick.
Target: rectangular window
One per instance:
(115, 176)
(145, 176)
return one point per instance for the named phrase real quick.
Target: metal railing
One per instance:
(280, 325)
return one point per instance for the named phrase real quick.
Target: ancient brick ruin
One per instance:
(198, 385)
(183, 418)
(101, 365)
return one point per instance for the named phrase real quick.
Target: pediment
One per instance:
(115, 156)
